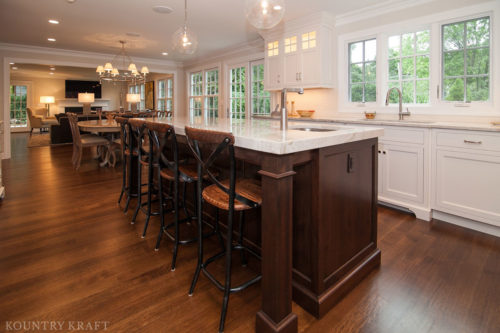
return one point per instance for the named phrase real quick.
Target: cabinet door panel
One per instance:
(403, 177)
(310, 70)
(291, 69)
(468, 184)
(273, 73)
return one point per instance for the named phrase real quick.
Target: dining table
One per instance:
(109, 128)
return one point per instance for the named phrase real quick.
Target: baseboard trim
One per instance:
(420, 212)
(467, 223)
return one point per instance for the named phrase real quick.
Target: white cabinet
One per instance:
(300, 54)
(466, 174)
(403, 169)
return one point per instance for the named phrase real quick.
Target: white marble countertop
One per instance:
(264, 134)
(470, 126)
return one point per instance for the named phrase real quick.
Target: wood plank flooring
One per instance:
(68, 253)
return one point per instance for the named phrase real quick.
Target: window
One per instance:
(166, 94)
(237, 96)
(408, 66)
(260, 99)
(18, 106)
(196, 93)
(291, 44)
(138, 89)
(204, 93)
(363, 71)
(309, 40)
(466, 60)
(273, 49)
(212, 93)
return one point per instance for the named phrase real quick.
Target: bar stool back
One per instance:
(126, 160)
(230, 195)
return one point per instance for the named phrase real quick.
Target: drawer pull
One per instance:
(473, 142)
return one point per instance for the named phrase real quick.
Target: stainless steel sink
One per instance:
(314, 129)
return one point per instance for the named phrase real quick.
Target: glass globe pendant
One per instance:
(184, 40)
(264, 14)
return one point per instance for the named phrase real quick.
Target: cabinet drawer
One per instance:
(468, 139)
(404, 135)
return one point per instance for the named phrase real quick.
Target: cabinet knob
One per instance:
(384, 152)
(379, 151)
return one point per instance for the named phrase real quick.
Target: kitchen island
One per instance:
(319, 210)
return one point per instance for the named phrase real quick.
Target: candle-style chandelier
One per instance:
(110, 71)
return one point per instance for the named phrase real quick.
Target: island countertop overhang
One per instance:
(265, 135)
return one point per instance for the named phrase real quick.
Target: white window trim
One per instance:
(250, 87)
(433, 23)
(165, 78)
(245, 64)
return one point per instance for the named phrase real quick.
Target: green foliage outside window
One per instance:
(363, 71)
(466, 60)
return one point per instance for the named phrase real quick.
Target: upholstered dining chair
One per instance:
(81, 141)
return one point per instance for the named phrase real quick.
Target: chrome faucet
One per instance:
(284, 112)
(401, 113)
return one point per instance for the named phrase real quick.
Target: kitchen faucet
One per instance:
(284, 113)
(401, 113)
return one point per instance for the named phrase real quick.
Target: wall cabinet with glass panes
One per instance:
(300, 56)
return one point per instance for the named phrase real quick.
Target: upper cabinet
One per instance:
(299, 54)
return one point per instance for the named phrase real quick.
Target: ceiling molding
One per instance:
(91, 56)
(252, 47)
(378, 9)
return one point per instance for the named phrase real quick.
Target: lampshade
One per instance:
(47, 99)
(108, 67)
(133, 98)
(132, 67)
(100, 69)
(85, 98)
(264, 14)
(115, 72)
(145, 70)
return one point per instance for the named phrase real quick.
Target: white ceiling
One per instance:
(97, 25)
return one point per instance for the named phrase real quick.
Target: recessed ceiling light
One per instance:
(71, 1)
(52, 68)
(11, 63)
(51, 39)
(51, 73)
(162, 9)
(14, 67)
(164, 53)
(277, 7)
(54, 21)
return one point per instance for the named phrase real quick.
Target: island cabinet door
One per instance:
(337, 244)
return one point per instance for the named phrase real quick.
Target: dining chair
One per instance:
(230, 195)
(81, 141)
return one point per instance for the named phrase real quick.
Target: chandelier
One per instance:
(110, 72)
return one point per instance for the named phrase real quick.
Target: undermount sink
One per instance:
(401, 121)
(314, 129)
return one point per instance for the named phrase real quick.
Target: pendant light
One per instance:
(264, 14)
(184, 40)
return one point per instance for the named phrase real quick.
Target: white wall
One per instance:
(45, 56)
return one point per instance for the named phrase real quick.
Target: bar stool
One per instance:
(229, 195)
(166, 159)
(126, 160)
(144, 150)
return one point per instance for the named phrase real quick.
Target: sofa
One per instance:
(38, 118)
(61, 132)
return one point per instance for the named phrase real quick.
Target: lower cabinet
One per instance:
(466, 174)
(403, 169)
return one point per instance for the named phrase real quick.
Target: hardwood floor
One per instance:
(68, 253)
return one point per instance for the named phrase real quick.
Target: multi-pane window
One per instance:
(466, 60)
(363, 71)
(273, 49)
(408, 66)
(196, 93)
(166, 94)
(212, 93)
(237, 92)
(138, 89)
(260, 99)
(291, 44)
(18, 100)
(309, 40)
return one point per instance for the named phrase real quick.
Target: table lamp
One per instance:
(133, 99)
(86, 99)
(47, 100)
